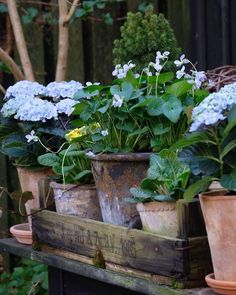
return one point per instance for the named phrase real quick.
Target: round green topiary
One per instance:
(142, 36)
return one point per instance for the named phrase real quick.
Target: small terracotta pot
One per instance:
(78, 200)
(22, 233)
(159, 217)
(219, 212)
(221, 287)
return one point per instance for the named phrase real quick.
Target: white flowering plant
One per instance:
(210, 146)
(140, 111)
(30, 108)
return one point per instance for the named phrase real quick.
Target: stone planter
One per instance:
(114, 175)
(159, 217)
(78, 200)
(219, 212)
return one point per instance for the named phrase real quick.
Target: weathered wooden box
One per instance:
(182, 261)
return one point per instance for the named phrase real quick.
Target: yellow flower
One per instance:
(94, 126)
(76, 133)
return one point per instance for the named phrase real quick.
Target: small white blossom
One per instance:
(32, 137)
(182, 61)
(147, 71)
(199, 78)
(117, 101)
(180, 73)
(104, 132)
(121, 71)
(90, 154)
(136, 75)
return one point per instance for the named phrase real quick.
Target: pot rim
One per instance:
(214, 197)
(210, 278)
(56, 185)
(155, 206)
(121, 157)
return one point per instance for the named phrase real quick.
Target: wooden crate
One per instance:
(182, 261)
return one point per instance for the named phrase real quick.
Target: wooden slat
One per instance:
(124, 246)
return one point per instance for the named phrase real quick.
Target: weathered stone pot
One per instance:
(159, 217)
(114, 175)
(78, 200)
(219, 212)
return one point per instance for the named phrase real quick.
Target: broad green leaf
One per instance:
(80, 107)
(127, 90)
(228, 181)
(172, 109)
(165, 77)
(197, 187)
(163, 198)
(146, 100)
(154, 108)
(104, 108)
(126, 126)
(200, 94)
(49, 159)
(159, 129)
(228, 148)
(179, 88)
(141, 194)
(228, 128)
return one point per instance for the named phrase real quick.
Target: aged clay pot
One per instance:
(221, 287)
(219, 212)
(159, 217)
(114, 175)
(78, 200)
(29, 180)
(22, 232)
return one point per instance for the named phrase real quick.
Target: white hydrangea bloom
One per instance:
(63, 89)
(211, 110)
(36, 109)
(66, 106)
(26, 89)
(12, 105)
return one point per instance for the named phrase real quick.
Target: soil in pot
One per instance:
(78, 200)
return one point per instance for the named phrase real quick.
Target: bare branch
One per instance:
(62, 42)
(20, 40)
(13, 67)
(71, 11)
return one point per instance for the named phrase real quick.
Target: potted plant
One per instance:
(158, 193)
(74, 189)
(210, 151)
(138, 114)
(29, 107)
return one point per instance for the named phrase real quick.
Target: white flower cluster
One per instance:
(63, 89)
(197, 78)
(121, 71)
(157, 65)
(211, 110)
(24, 100)
(25, 89)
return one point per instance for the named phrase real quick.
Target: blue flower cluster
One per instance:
(31, 101)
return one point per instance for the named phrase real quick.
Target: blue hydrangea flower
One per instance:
(63, 89)
(66, 106)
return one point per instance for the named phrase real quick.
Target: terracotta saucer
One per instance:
(22, 233)
(221, 287)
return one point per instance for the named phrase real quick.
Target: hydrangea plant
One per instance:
(210, 146)
(31, 106)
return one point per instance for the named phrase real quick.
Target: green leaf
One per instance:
(172, 109)
(80, 12)
(197, 187)
(159, 129)
(126, 126)
(127, 90)
(103, 109)
(228, 128)
(179, 88)
(49, 159)
(192, 138)
(163, 198)
(165, 77)
(141, 194)
(228, 181)
(200, 94)
(82, 174)
(228, 148)
(154, 108)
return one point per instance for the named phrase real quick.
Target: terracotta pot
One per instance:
(221, 287)
(114, 175)
(29, 180)
(159, 217)
(22, 232)
(219, 214)
(78, 200)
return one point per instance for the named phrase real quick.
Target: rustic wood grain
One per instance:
(129, 247)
